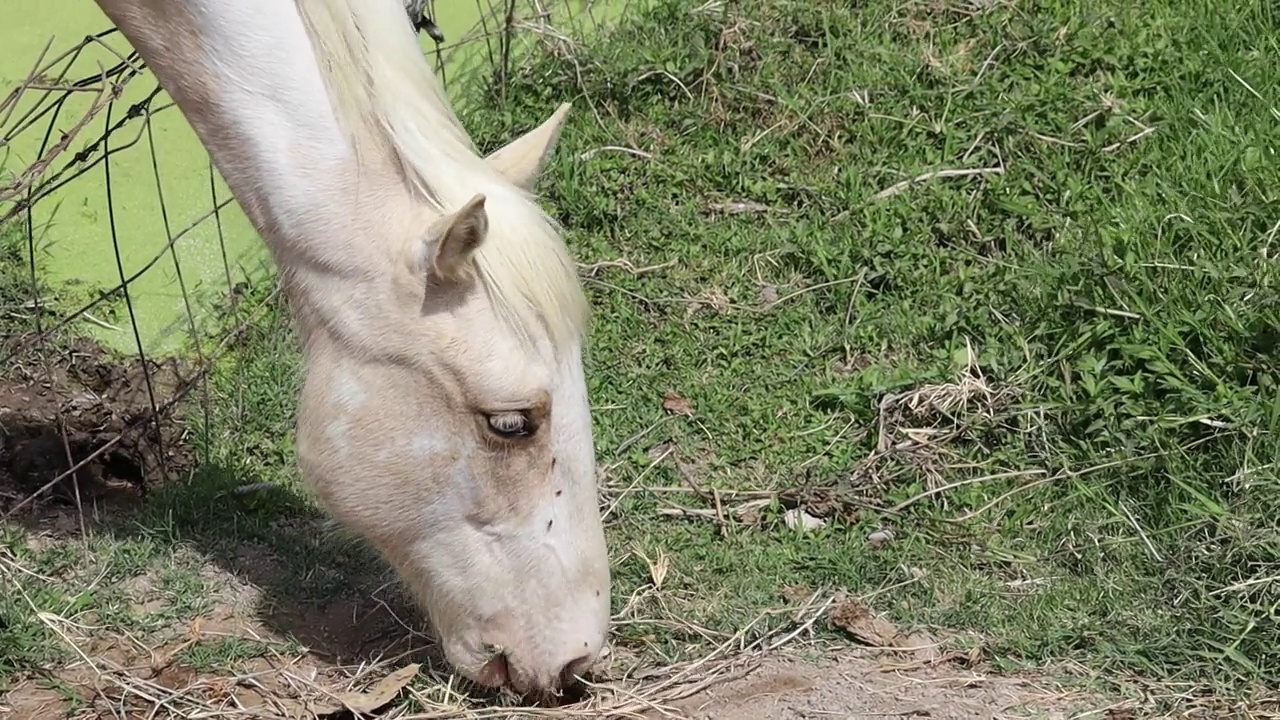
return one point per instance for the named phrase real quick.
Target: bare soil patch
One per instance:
(78, 408)
(845, 685)
(191, 667)
(357, 647)
(852, 685)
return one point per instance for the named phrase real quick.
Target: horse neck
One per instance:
(245, 76)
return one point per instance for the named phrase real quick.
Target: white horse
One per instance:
(444, 412)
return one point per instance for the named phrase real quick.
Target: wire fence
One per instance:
(124, 259)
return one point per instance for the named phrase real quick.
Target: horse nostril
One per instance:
(570, 674)
(496, 672)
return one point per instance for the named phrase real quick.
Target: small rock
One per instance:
(879, 537)
(797, 518)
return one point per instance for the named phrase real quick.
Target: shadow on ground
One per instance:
(277, 562)
(293, 574)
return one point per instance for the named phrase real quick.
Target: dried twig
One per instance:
(898, 187)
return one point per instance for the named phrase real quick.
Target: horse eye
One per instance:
(511, 425)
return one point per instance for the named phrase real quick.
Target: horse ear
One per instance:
(453, 239)
(521, 161)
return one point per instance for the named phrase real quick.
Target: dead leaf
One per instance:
(796, 593)
(675, 404)
(370, 700)
(864, 625)
(921, 645)
(661, 450)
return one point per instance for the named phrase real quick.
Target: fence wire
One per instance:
(77, 418)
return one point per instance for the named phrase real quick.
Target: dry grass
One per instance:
(121, 676)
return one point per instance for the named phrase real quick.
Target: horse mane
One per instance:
(381, 83)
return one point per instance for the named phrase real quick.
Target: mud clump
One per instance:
(78, 403)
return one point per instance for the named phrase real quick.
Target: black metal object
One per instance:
(421, 20)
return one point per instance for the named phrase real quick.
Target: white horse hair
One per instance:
(444, 414)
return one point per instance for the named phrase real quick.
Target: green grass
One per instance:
(1107, 494)
(15, 277)
(1118, 287)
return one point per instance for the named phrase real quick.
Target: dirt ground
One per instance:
(65, 406)
(852, 686)
(350, 644)
(843, 687)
